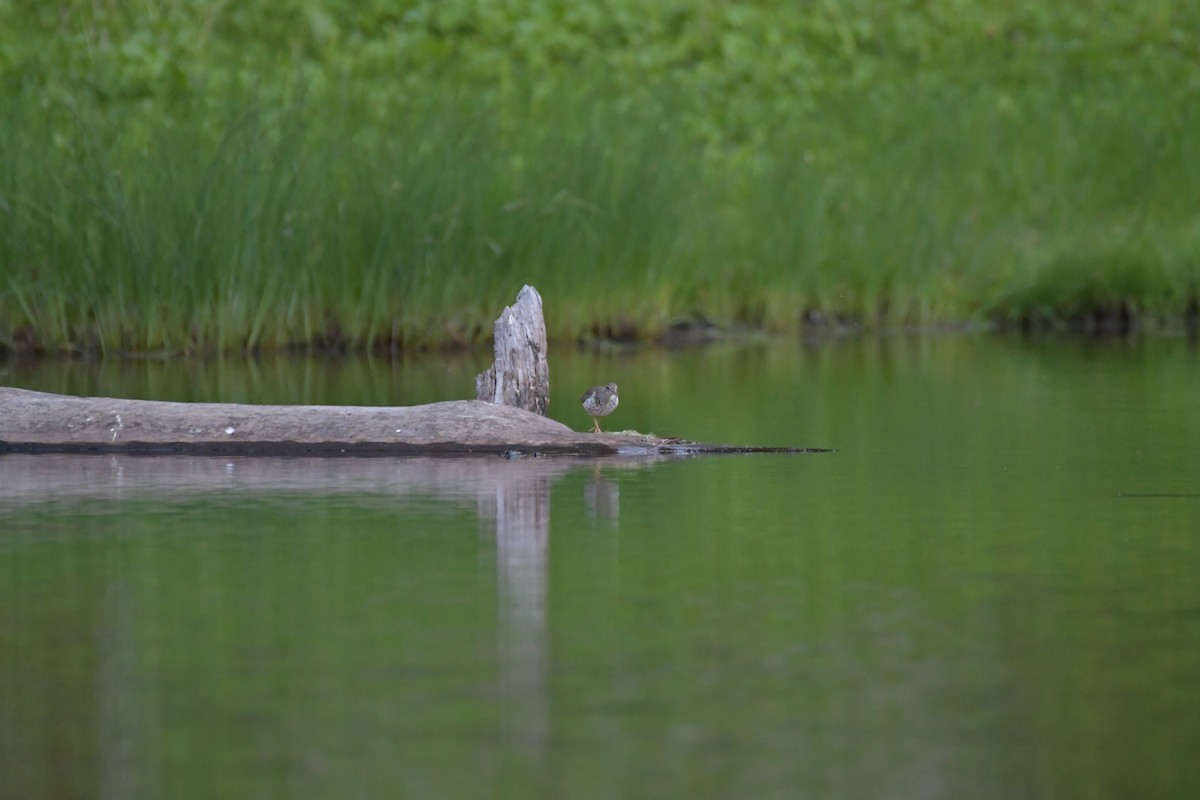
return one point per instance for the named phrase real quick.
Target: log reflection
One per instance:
(519, 510)
(512, 499)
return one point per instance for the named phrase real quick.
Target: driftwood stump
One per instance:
(520, 376)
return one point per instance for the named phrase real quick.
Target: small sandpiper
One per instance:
(599, 401)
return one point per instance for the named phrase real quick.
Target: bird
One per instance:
(599, 401)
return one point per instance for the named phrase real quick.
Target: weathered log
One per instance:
(520, 375)
(36, 422)
(508, 418)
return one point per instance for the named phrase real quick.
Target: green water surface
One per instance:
(989, 591)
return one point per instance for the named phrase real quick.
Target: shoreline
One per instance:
(676, 338)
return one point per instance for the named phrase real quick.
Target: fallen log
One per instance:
(506, 419)
(37, 422)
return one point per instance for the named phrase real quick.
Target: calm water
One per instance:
(990, 591)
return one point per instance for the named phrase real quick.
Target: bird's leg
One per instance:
(595, 425)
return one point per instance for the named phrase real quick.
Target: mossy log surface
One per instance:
(36, 422)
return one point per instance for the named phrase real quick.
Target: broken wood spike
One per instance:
(520, 375)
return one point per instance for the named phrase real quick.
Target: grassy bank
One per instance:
(317, 202)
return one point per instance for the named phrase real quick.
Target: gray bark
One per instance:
(35, 422)
(520, 376)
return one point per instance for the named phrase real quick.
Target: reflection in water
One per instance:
(967, 600)
(512, 499)
(116, 693)
(520, 512)
(498, 486)
(602, 497)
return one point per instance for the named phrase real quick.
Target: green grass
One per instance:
(316, 212)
